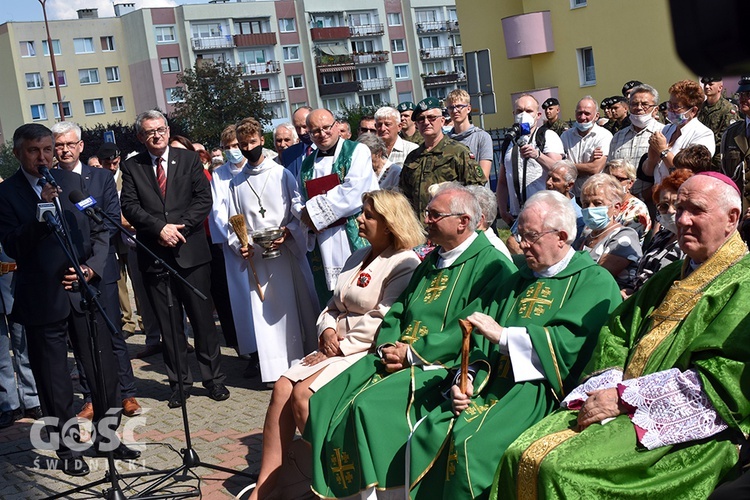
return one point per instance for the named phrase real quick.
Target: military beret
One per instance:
(710, 79)
(550, 102)
(615, 99)
(630, 85)
(606, 103)
(405, 106)
(663, 106)
(108, 151)
(424, 105)
(744, 84)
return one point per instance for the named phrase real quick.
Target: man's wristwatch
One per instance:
(664, 154)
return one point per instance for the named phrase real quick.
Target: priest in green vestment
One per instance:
(539, 336)
(664, 404)
(360, 421)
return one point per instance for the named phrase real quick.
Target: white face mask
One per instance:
(525, 117)
(677, 118)
(234, 155)
(668, 221)
(583, 127)
(641, 121)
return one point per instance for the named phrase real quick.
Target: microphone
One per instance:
(45, 212)
(86, 205)
(518, 133)
(44, 171)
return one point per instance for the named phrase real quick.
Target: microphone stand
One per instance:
(90, 304)
(190, 458)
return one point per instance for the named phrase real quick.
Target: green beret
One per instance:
(405, 106)
(424, 105)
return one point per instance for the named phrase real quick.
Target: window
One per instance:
(370, 99)
(394, 19)
(426, 16)
(287, 25)
(452, 15)
(438, 93)
(108, 43)
(209, 30)
(401, 71)
(334, 104)
(38, 112)
(326, 21)
(27, 49)
(429, 42)
(398, 45)
(164, 34)
(297, 105)
(67, 111)
(93, 106)
(329, 78)
(456, 40)
(252, 56)
(113, 74)
(33, 81)
(277, 111)
(61, 78)
(363, 46)
(170, 64)
(575, 4)
(295, 82)
(367, 73)
(458, 66)
(172, 95)
(260, 85)
(586, 71)
(117, 104)
(250, 27)
(291, 53)
(433, 67)
(405, 97)
(83, 45)
(88, 76)
(55, 47)
(361, 19)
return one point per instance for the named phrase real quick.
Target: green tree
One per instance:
(354, 113)
(8, 162)
(212, 96)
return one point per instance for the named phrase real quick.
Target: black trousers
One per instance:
(220, 294)
(200, 314)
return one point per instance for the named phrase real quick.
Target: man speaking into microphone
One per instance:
(47, 302)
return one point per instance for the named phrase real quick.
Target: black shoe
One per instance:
(75, 466)
(175, 400)
(149, 350)
(8, 418)
(34, 413)
(122, 452)
(252, 369)
(218, 392)
(190, 348)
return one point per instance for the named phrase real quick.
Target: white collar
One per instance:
(557, 268)
(448, 257)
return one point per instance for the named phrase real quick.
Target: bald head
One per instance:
(321, 125)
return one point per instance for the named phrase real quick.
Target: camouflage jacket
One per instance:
(448, 161)
(718, 117)
(416, 138)
(559, 127)
(735, 153)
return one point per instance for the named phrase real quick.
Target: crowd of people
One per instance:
(603, 351)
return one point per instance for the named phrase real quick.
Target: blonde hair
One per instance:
(399, 217)
(458, 95)
(609, 186)
(622, 165)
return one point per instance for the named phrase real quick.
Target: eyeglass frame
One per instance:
(67, 145)
(459, 107)
(438, 216)
(642, 105)
(326, 129)
(161, 132)
(520, 238)
(424, 118)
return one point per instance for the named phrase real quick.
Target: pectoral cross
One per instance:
(340, 468)
(262, 212)
(534, 303)
(436, 288)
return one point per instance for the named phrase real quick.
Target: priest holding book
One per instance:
(332, 181)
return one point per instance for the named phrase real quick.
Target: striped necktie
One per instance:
(161, 177)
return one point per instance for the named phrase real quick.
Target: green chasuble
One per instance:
(698, 322)
(360, 421)
(456, 457)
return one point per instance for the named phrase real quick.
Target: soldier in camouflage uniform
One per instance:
(409, 130)
(735, 147)
(439, 159)
(551, 109)
(717, 113)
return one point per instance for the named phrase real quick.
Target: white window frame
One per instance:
(367, 73)
(169, 68)
(291, 82)
(586, 73)
(92, 74)
(168, 94)
(331, 78)
(55, 46)
(284, 25)
(98, 105)
(288, 50)
(159, 34)
(113, 74)
(401, 71)
(363, 46)
(36, 81)
(426, 16)
(577, 4)
(394, 45)
(30, 50)
(88, 45)
(41, 112)
(67, 110)
(60, 76)
(117, 104)
(371, 100)
(207, 30)
(395, 19)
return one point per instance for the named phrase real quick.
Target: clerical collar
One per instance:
(330, 152)
(448, 257)
(556, 269)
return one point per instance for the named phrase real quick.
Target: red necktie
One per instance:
(161, 178)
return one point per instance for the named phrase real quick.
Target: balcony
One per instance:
(335, 33)
(328, 63)
(377, 57)
(217, 42)
(441, 52)
(437, 26)
(272, 95)
(261, 68)
(439, 79)
(375, 84)
(338, 88)
(366, 30)
(255, 39)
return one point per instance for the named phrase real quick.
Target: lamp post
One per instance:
(54, 65)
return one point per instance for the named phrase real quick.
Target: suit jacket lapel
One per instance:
(86, 177)
(171, 169)
(149, 172)
(741, 141)
(25, 190)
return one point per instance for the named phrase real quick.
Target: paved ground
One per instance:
(226, 433)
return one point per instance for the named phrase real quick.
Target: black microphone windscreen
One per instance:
(76, 196)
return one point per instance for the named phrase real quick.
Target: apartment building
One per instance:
(330, 53)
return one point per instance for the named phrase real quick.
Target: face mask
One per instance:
(525, 117)
(234, 155)
(641, 121)
(583, 127)
(667, 220)
(677, 118)
(254, 154)
(596, 217)
(305, 138)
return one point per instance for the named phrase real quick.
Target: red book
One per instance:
(322, 185)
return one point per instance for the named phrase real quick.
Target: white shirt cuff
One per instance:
(523, 358)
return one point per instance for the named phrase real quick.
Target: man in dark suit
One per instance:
(100, 184)
(45, 300)
(166, 197)
(296, 153)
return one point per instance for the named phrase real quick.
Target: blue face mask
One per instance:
(596, 218)
(234, 155)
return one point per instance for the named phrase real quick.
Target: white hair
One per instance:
(558, 212)
(290, 128)
(387, 112)
(61, 128)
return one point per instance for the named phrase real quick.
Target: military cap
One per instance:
(710, 79)
(630, 85)
(606, 103)
(663, 106)
(424, 105)
(108, 151)
(405, 106)
(550, 102)
(744, 84)
(615, 99)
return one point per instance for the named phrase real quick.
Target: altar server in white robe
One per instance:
(284, 318)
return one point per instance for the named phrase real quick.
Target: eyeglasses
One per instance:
(434, 216)
(675, 107)
(161, 131)
(621, 179)
(423, 118)
(664, 207)
(322, 130)
(365, 130)
(532, 237)
(454, 107)
(62, 146)
(642, 105)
